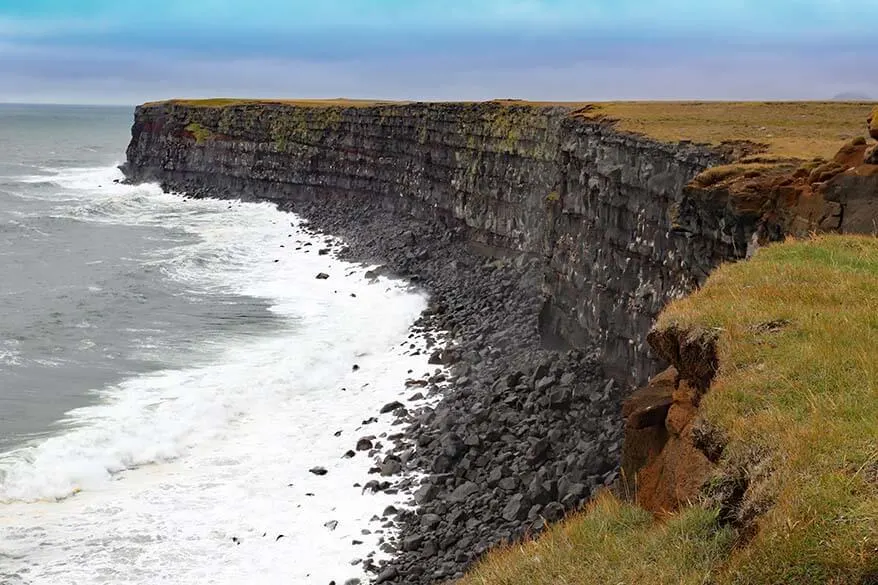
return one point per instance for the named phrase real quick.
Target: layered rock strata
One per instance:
(607, 211)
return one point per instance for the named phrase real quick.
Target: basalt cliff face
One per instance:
(609, 212)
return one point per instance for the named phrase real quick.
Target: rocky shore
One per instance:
(532, 226)
(521, 435)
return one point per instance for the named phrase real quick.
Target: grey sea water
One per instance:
(170, 370)
(85, 296)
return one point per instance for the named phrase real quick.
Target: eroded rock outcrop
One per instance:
(668, 451)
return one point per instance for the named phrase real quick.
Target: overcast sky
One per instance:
(119, 51)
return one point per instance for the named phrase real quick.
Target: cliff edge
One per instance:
(754, 458)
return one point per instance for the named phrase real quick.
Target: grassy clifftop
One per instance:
(796, 400)
(802, 130)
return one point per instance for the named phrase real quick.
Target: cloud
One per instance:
(649, 72)
(122, 51)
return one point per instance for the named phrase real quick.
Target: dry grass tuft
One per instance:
(716, 175)
(801, 130)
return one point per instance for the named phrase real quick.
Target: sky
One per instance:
(124, 52)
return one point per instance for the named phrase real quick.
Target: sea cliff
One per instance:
(539, 228)
(606, 209)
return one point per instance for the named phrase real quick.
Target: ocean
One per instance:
(170, 370)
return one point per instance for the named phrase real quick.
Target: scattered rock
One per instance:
(322, 276)
(388, 574)
(462, 493)
(518, 433)
(318, 470)
(390, 407)
(516, 509)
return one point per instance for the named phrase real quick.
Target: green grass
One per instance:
(612, 542)
(796, 396)
(805, 397)
(200, 133)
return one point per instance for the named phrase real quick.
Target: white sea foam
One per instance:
(9, 352)
(167, 468)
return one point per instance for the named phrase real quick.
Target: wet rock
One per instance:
(376, 486)
(425, 494)
(388, 574)
(412, 543)
(391, 467)
(390, 407)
